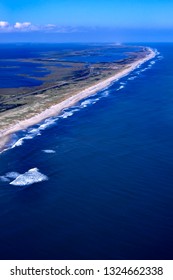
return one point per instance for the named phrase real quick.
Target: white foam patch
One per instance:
(160, 57)
(156, 52)
(30, 177)
(4, 179)
(46, 124)
(65, 115)
(34, 130)
(12, 175)
(104, 94)
(88, 102)
(18, 143)
(49, 151)
(143, 70)
(8, 176)
(132, 78)
(29, 136)
(121, 87)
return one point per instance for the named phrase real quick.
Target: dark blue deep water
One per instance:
(109, 165)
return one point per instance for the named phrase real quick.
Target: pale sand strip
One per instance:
(56, 109)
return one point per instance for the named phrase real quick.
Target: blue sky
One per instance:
(81, 20)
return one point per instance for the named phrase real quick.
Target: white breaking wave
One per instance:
(132, 78)
(29, 136)
(142, 70)
(66, 115)
(18, 143)
(30, 177)
(121, 87)
(104, 94)
(49, 151)
(88, 102)
(46, 124)
(34, 131)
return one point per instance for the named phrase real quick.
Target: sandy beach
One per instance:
(57, 108)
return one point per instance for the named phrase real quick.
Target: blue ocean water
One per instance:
(104, 175)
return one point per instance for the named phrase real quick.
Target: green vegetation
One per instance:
(66, 78)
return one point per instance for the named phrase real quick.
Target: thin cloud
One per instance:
(22, 25)
(6, 27)
(51, 26)
(4, 24)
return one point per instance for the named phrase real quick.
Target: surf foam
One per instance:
(30, 177)
(4, 179)
(49, 151)
(12, 175)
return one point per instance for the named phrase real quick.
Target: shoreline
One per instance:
(57, 108)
